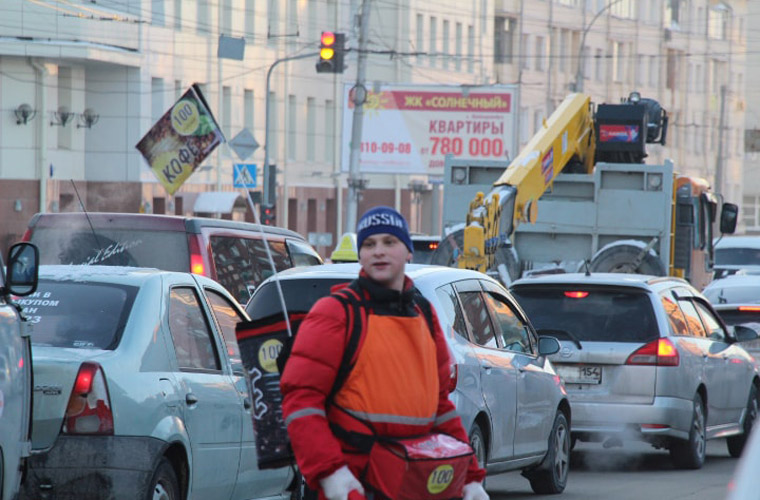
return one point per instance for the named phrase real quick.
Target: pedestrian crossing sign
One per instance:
(244, 175)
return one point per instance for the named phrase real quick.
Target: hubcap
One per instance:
(561, 452)
(699, 430)
(160, 493)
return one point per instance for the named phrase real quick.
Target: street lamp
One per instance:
(579, 73)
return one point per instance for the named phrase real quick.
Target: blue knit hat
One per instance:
(380, 220)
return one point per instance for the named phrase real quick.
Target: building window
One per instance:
(564, 43)
(156, 99)
(654, 72)
(420, 36)
(458, 48)
(751, 212)
(65, 81)
(178, 14)
(540, 52)
(226, 21)
(674, 13)
(178, 90)
(158, 16)
(717, 27)
(433, 46)
(470, 49)
(503, 39)
(599, 63)
(672, 70)
(311, 128)
(202, 16)
(446, 36)
(274, 124)
(623, 8)
(227, 111)
(250, 18)
(248, 109)
(329, 130)
(292, 112)
(273, 19)
(525, 47)
(618, 61)
(641, 69)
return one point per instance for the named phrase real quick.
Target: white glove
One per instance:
(474, 491)
(340, 483)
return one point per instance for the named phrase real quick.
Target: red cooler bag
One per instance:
(429, 467)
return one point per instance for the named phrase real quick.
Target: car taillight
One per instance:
(196, 258)
(749, 308)
(89, 409)
(576, 295)
(27, 235)
(660, 352)
(453, 377)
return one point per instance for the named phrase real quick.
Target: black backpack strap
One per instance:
(426, 308)
(352, 302)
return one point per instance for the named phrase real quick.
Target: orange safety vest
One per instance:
(394, 386)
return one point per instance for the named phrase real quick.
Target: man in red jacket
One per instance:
(399, 381)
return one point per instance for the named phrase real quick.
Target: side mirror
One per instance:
(729, 215)
(23, 269)
(745, 333)
(547, 345)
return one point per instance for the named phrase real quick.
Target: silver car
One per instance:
(15, 366)
(139, 390)
(645, 358)
(509, 398)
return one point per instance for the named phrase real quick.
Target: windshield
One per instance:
(590, 314)
(83, 315)
(737, 257)
(167, 250)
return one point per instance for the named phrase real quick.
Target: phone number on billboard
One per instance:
(476, 146)
(386, 147)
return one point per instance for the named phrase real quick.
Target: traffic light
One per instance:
(332, 47)
(267, 214)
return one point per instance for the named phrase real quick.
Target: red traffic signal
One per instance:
(267, 214)
(332, 46)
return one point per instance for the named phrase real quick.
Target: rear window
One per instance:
(299, 295)
(737, 317)
(82, 315)
(167, 250)
(423, 250)
(590, 314)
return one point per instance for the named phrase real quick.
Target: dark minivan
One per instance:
(230, 252)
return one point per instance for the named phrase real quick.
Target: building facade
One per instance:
(81, 82)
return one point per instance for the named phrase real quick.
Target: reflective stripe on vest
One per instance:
(305, 412)
(395, 379)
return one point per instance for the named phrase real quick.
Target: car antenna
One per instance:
(97, 241)
(586, 263)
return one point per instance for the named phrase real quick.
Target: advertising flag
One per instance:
(181, 139)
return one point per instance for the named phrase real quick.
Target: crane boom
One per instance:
(565, 142)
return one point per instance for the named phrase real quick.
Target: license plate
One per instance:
(580, 374)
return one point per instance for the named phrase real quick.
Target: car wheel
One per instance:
(164, 484)
(736, 443)
(551, 477)
(690, 453)
(478, 444)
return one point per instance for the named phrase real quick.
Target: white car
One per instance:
(139, 390)
(733, 253)
(506, 392)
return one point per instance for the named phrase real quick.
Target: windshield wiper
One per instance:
(557, 332)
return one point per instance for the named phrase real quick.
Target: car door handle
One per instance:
(246, 403)
(191, 399)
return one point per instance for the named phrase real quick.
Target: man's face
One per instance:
(383, 257)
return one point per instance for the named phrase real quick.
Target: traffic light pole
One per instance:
(266, 188)
(359, 95)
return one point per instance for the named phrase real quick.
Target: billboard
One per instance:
(409, 129)
(180, 140)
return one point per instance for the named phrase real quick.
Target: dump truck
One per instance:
(580, 197)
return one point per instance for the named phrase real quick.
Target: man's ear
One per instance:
(409, 258)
